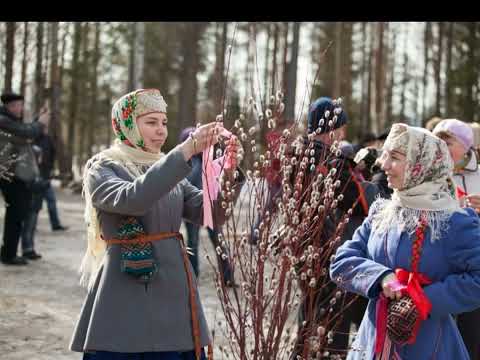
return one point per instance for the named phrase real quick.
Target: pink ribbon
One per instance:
(211, 178)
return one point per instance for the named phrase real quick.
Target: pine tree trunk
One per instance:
(84, 104)
(391, 82)
(379, 77)
(74, 97)
(139, 54)
(285, 54)
(64, 46)
(273, 76)
(448, 81)
(438, 69)
(266, 73)
(371, 125)
(55, 127)
(38, 68)
(291, 86)
(472, 73)
(24, 58)
(9, 56)
(337, 83)
(187, 112)
(365, 70)
(94, 93)
(219, 68)
(426, 46)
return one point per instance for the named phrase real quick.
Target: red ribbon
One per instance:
(460, 193)
(413, 282)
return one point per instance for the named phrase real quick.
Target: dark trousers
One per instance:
(468, 326)
(30, 225)
(193, 243)
(18, 200)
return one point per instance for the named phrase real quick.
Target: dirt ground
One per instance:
(39, 303)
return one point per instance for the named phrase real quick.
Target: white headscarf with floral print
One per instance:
(427, 186)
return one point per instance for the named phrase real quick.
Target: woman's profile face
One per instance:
(394, 163)
(153, 129)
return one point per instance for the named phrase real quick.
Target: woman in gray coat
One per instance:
(142, 301)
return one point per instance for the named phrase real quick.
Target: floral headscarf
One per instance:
(427, 187)
(129, 108)
(428, 157)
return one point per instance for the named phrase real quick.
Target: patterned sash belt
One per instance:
(192, 291)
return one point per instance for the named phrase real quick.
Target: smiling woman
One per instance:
(416, 257)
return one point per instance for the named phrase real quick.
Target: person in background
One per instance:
(432, 122)
(459, 137)
(16, 137)
(193, 230)
(45, 148)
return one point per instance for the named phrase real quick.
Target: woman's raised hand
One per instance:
(203, 137)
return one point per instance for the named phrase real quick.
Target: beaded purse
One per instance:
(137, 258)
(403, 316)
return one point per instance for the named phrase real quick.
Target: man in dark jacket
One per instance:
(323, 131)
(17, 136)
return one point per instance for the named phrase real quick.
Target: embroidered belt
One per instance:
(191, 289)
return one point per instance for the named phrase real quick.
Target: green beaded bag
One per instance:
(137, 259)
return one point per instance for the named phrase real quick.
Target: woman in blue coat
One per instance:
(420, 236)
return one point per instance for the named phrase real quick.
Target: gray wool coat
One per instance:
(120, 314)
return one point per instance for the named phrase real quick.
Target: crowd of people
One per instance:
(409, 249)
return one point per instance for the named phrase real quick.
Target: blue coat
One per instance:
(451, 262)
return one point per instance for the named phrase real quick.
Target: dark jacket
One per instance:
(15, 141)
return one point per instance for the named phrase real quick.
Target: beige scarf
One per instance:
(428, 187)
(135, 162)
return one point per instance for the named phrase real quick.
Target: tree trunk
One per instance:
(285, 54)
(404, 80)
(391, 82)
(84, 104)
(219, 69)
(266, 93)
(24, 58)
(426, 46)
(74, 92)
(139, 54)
(379, 77)
(9, 56)
(472, 73)
(438, 69)
(55, 127)
(39, 80)
(337, 83)
(448, 82)
(187, 112)
(365, 70)
(291, 85)
(371, 125)
(64, 46)
(94, 92)
(273, 78)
